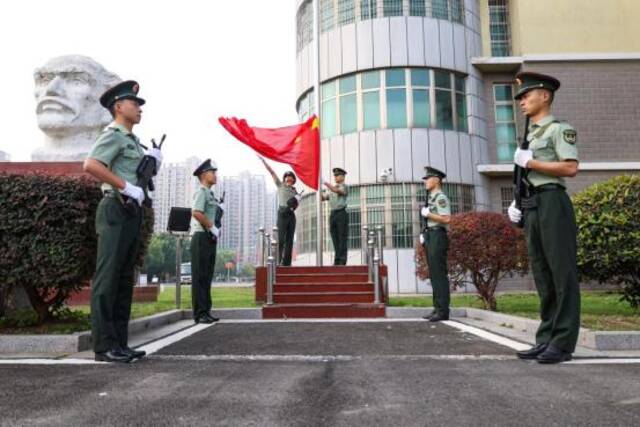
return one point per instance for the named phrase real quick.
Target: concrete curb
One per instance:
(595, 340)
(81, 341)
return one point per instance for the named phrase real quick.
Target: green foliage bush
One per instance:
(608, 220)
(47, 237)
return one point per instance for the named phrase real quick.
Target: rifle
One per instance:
(217, 220)
(146, 170)
(521, 187)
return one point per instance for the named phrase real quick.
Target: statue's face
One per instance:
(67, 91)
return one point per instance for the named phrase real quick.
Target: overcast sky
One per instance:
(194, 60)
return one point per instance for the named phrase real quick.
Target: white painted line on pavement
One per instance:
(328, 358)
(154, 346)
(50, 362)
(603, 361)
(498, 339)
(327, 320)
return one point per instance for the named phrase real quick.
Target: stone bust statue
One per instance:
(67, 89)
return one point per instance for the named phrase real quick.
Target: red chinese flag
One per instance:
(297, 146)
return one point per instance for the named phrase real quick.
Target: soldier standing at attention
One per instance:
(204, 242)
(549, 220)
(113, 160)
(338, 220)
(288, 201)
(436, 242)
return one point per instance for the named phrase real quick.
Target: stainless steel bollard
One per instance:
(274, 253)
(262, 256)
(370, 253)
(274, 237)
(363, 242)
(376, 279)
(271, 273)
(380, 240)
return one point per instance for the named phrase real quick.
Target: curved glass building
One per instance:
(398, 92)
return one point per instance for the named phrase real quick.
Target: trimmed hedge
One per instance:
(47, 237)
(608, 220)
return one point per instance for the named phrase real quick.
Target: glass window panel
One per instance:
(396, 108)
(312, 103)
(419, 77)
(421, 110)
(346, 12)
(504, 113)
(417, 8)
(328, 123)
(505, 132)
(371, 105)
(505, 152)
(371, 80)
(368, 9)
(329, 90)
(503, 92)
(461, 111)
(444, 110)
(375, 194)
(326, 15)
(443, 79)
(348, 84)
(459, 83)
(348, 114)
(456, 10)
(392, 7)
(440, 9)
(394, 77)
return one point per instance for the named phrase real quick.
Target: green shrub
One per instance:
(47, 237)
(608, 219)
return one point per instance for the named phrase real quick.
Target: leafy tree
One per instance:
(608, 220)
(161, 257)
(484, 247)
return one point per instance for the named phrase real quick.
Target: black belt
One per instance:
(111, 193)
(338, 210)
(437, 228)
(547, 187)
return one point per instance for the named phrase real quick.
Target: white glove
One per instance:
(515, 214)
(521, 157)
(222, 206)
(215, 231)
(134, 192)
(156, 154)
(424, 211)
(421, 239)
(298, 197)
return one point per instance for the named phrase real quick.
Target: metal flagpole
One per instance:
(316, 90)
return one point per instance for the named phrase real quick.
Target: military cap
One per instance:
(339, 171)
(207, 165)
(291, 174)
(429, 172)
(529, 81)
(124, 90)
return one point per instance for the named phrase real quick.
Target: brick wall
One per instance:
(600, 99)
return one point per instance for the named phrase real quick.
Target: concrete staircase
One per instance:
(323, 292)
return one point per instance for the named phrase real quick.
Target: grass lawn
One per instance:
(80, 321)
(599, 311)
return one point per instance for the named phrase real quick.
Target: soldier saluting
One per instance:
(434, 237)
(204, 241)
(339, 219)
(113, 160)
(549, 220)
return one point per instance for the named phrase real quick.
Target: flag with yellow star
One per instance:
(297, 146)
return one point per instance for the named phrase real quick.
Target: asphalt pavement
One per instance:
(323, 374)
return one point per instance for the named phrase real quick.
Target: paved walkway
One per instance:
(324, 373)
